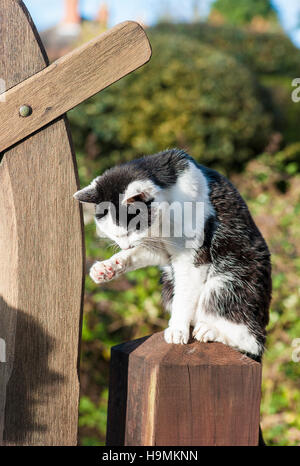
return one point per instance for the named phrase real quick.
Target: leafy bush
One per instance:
(191, 96)
(280, 89)
(276, 212)
(265, 53)
(272, 56)
(243, 11)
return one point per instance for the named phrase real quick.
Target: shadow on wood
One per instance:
(26, 381)
(182, 395)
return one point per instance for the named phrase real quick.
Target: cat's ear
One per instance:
(142, 191)
(88, 194)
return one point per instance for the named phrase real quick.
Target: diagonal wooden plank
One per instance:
(72, 79)
(42, 260)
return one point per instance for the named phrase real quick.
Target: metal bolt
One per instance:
(25, 110)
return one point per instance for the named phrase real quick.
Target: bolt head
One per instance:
(25, 110)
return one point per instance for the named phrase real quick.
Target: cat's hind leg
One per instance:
(212, 324)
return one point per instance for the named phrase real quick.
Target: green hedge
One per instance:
(244, 11)
(190, 95)
(262, 52)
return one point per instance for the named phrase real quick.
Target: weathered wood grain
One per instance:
(72, 79)
(41, 273)
(182, 395)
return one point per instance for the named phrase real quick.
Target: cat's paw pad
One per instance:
(205, 332)
(177, 336)
(106, 270)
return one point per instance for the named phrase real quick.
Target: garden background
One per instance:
(219, 87)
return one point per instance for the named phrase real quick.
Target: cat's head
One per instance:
(127, 196)
(124, 198)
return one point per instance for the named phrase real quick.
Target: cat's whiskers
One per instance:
(114, 246)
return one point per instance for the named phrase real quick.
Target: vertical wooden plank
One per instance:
(8, 288)
(184, 395)
(208, 405)
(21, 51)
(41, 273)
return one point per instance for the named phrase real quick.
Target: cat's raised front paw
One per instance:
(106, 270)
(205, 332)
(177, 336)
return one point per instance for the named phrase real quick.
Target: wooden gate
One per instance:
(41, 228)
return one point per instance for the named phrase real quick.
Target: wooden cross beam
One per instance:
(41, 228)
(72, 79)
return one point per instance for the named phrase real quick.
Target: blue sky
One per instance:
(47, 14)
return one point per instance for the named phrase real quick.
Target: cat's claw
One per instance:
(106, 270)
(177, 336)
(204, 332)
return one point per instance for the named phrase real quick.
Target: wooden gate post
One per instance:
(182, 395)
(41, 230)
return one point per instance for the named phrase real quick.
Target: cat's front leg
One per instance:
(184, 303)
(126, 261)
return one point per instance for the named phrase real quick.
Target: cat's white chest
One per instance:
(189, 276)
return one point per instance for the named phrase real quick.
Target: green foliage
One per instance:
(266, 53)
(243, 11)
(275, 211)
(280, 88)
(93, 417)
(190, 95)
(272, 56)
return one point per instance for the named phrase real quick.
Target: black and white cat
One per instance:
(216, 272)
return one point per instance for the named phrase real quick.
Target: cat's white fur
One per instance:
(192, 285)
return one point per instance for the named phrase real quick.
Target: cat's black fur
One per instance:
(162, 168)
